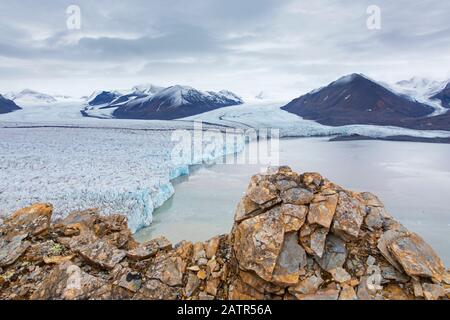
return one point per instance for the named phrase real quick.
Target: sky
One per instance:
(282, 47)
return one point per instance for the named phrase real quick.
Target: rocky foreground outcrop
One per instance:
(295, 237)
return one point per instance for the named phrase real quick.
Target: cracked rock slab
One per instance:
(258, 243)
(34, 220)
(297, 196)
(348, 217)
(69, 282)
(11, 251)
(97, 251)
(149, 249)
(322, 212)
(416, 257)
(168, 270)
(292, 257)
(335, 254)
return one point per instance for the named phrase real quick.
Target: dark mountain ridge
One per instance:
(7, 105)
(176, 102)
(355, 99)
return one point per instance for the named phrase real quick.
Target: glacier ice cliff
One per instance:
(115, 170)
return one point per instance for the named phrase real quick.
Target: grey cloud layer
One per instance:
(242, 45)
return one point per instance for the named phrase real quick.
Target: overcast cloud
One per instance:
(282, 47)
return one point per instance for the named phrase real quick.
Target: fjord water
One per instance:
(412, 179)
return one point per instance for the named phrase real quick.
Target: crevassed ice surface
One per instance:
(116, 170)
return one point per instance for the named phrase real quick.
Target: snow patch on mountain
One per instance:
(417, 86)
(421, 90)
(147, 89)
(30, 97)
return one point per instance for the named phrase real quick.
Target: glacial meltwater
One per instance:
(412, 179)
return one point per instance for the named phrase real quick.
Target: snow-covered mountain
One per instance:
(443, 96)
(357, 99)
(176, 102)
(103, 97)
(418, 87)
(7, 105)
(30, 97)
(153, 102)
(101, 104)
(147, 89)
(427, 91)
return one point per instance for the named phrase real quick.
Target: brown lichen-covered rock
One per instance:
(168, 270)
(349, 216)
(149, 249)
(348, 293)
(297, 196)
(258, 242)
(242, 291)
(34, 220)
(322, 212)
(307, 286)
(342, 230)
(433, 291)
(97, 251)
(291, 260)
(325, 294)
(69, 282)
(335, 254)
(417, 257)
(11, 250)
(294, 216)
(156, 290)
(294, 237)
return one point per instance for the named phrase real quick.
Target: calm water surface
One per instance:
(412, 179)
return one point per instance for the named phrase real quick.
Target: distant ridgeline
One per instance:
(156, 103)
(356, 99)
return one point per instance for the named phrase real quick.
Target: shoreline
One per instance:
(399, 138)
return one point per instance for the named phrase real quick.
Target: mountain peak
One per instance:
(351, 78)
(176, 102)
(356, 99)
(28, 96)
(147, 88)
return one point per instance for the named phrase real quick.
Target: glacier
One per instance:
(268, 114)
(124, 171)
(50, 153)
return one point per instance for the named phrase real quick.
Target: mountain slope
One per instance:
(419, 87)
(7, 105)
(147, 89)
(176, 102)
(443, 96)
(355, 99)
(103, 97)
(30, 97)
